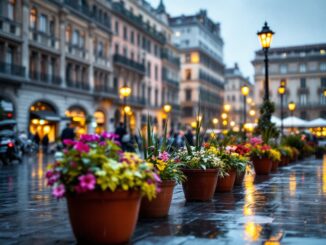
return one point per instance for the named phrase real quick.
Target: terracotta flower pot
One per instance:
(239, 178)
(200, 184)
(104, 217)
(275, 166)
(226, 183)
(158, 207)
(263, 166)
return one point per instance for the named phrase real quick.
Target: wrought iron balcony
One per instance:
(83, 9)
(11, 69)
(105, 89)
(102, 61)
(128, 63)
(136, 101)
(45, 78)
(171, 59)
(43, 39)
(10, 27)
(119, 8)
(78, 85)
(76, 51)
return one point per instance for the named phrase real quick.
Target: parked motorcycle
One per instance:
(10, 147)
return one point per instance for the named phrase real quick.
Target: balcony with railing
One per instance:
(171, 59)
(76, 51)
(78, 85)
(129, 64)
(102, 61)
(43, 39)
(9, 27)
(45, 78)
(119, 8)
(12, 69)
(105, 89)
(80, 8)
(136, 101)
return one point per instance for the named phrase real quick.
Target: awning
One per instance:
(318, 122)
(295, 122)
(46, 115)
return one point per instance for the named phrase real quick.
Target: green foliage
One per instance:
(265, 127)
(293, 141)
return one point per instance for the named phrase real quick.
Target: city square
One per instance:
(162, 122)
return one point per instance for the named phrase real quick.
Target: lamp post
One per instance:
(265, 38)
(281, 92)
(215, 122)
(324, 92)
(245, 91)
(125, 92)
(292, 107)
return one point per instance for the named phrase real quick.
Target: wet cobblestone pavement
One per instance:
(288, 207)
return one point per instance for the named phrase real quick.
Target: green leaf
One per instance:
(188, 146)
(149, 132)
(164, 139)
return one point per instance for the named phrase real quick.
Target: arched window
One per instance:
(33, 18)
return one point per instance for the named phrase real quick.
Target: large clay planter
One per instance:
(274, 166)
(239, 178)
(104, 217)
(263, 166)
(226, 183)
(200, 184)
(158, 207)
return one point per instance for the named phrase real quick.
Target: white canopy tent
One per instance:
(295, 122)
(318, 122)
(276, 120)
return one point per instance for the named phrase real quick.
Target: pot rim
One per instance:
(106, 195)
(193, 170)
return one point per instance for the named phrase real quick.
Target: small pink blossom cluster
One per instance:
(255, 141)
(164, 156)
(87, 182)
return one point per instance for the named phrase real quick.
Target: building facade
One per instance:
(234, 80)
(304, 70)
(64, 61)
(202, 68)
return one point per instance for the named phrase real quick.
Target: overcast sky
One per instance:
(295, 22)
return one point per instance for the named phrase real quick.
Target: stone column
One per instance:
(91, 55)
(25, 36)
(62, 36)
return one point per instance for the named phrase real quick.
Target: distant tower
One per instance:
(161, 8)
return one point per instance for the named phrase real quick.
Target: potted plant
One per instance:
(201, 168)
(157, 153)
(275, 156)
(103, 187)
(243, 150)
(286, 155)
(260, 156)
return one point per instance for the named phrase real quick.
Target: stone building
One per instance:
(234, 80)
(304, 70)
(202, 69)
(64, 61)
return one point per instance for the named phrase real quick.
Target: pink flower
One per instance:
(164, 156)
(109, 136)
(255, 141)
(52, 177)
(81, 147)
(230, 148)
(265, 148)
(87, 182)
(102, 143)
(69, 142)
(59, 191)
(89, 138)
(157, 178)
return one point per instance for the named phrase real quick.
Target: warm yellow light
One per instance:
(252, 113)
(322, 51)
(167, 108)
(195, 58)
(281, 90)
(283, 83)
(232, 123)
(215, 121)
(265, 36)
(35, 121)
(324, 92)
(42, 122)
(249, 100)
(292, 106)
(125, 91)
(293, 184)
(199, 118)
(245, 90)
(47, 129)
(127, 109)
(193, 124)
(225, 122)
(253, 231)
(224, 116)
(227, 107)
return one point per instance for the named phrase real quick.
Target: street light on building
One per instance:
(265, 38)
(245, 90)
(281, 92)
(167, 108)
(227, 107)
(292, 107)
(125, 92)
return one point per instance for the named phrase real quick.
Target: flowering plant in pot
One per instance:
(261, 156)
(286, 154)
(201, 168)
(103, 187)
(275, 156)
(156, 152)
(234, 163)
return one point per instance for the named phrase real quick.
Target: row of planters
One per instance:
(107, 189)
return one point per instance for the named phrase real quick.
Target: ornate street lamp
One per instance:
(265, 38)
(227, 107)
(292, 107)
(125, 92)
(245, 90)
(281, 92)
(167, 108)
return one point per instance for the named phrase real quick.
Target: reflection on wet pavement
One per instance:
(287, 207)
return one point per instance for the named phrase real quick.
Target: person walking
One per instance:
(45, 144)
(120, 131)
(190, 137)
(68, 133)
